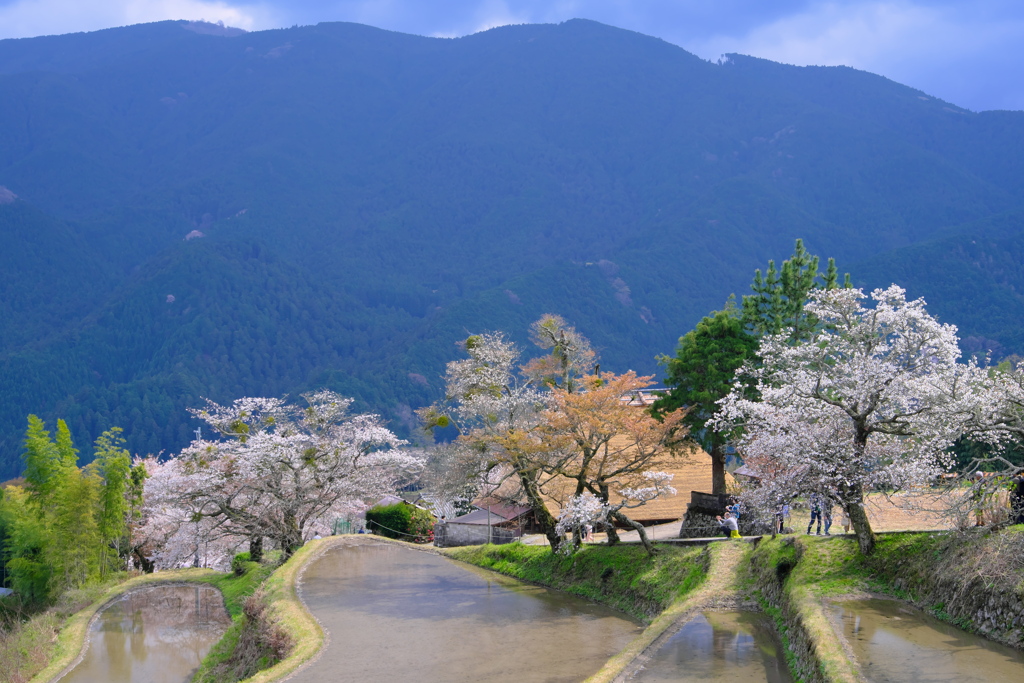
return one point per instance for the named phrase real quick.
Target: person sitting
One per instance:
(729, 522)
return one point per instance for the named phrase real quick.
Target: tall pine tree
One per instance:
(703, 370)
(701, 373)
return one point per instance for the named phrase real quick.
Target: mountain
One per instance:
(973, 278)
(216, 215)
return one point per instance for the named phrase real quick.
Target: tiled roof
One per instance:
(497, 514)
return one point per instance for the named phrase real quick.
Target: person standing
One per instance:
(1017, 499)
(815, 513)
(826, 513)
(979, 498)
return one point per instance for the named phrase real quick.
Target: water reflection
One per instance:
(894, 642)
(152, 635)
(726, 647)
(398, 614)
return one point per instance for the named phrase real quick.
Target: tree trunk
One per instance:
(639, 528)
(718, 469)
(853, 499)
(602, 495)
(291, 536)
(540, 511)
(853, 503)
(256, 548)
(147, 565)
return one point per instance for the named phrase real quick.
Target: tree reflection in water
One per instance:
(158, 634)
(725, 647)
(894, 642)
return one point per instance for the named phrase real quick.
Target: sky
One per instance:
(970, 53)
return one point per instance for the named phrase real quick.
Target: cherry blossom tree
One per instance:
(604, 441)
(278, 470)
(586, 509)
(496, 410)
(998, 420)
(872, 400)
(552, 428)
(570, 356)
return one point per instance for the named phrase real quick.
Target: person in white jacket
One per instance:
(729, 522)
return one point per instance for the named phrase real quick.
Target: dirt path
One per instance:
(720, 590)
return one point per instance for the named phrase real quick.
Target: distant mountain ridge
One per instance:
(369, 197)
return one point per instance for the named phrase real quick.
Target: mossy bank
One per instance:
(974, 580)
(623, 577)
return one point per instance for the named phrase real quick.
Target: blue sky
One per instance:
(969, 53)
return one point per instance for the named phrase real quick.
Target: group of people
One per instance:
(983, 497)
(821, 512)
(822, 506)
(821, 515)
(731, 520)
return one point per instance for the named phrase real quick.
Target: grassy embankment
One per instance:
(623, 577)
(44, 645)
(239, 655)
(794, 575)
(664, 590)
(53, 639)
(955, 576)
(27, 645)
(50, 641)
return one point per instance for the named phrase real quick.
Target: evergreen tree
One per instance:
(112, 464)
(778, 300)
(41, 460)
(27, 573)
(67, 454)
(58, 526)
(701, 373)
(703, 369)
(74, 545)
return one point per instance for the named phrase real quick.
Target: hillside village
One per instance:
(334, 353)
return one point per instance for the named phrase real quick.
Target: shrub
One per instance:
(421, 526)
(239, 563)
(254, 642)
(390, 520)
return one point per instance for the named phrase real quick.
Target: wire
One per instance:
(378, 524)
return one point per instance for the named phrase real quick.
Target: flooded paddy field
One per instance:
(720, 647)
(158, 634)
(895, 643)
(394, 613)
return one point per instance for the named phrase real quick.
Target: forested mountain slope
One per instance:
(366, 198)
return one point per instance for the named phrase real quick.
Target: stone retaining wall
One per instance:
(771, 582)
(450, 535)
(960, 581)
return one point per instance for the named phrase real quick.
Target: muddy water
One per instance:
(721, 647)
(894, 642)
(152, 635)
(395, 614)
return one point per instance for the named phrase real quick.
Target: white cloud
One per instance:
(23, 18)
(963, 52)
(901, 40)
